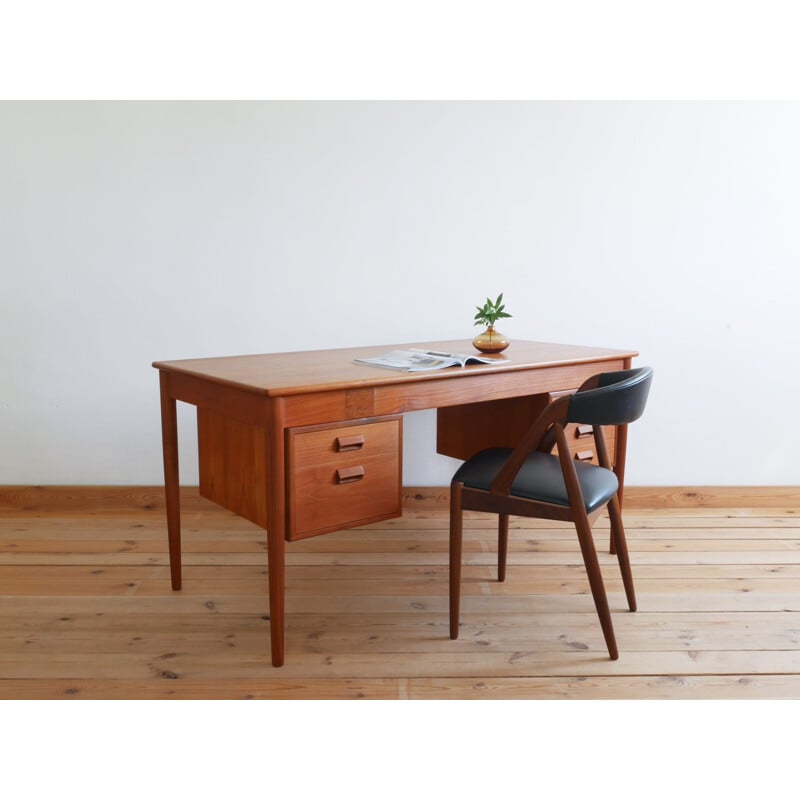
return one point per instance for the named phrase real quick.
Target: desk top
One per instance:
(304, 371)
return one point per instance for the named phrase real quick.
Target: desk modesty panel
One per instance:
(305, 443)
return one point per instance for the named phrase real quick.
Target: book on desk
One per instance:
(422, 360)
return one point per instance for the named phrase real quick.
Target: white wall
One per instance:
(131, 232)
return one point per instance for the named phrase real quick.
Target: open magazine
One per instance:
(422, 360)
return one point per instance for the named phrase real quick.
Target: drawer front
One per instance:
(582, 445)
(341, 476)
(330, 497)
(581, 437)
(332, 444)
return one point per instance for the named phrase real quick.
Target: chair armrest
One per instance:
(553, 414)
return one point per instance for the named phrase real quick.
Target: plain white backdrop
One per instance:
(105, 250)
(140, 231)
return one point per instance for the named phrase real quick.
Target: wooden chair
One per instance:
(529, 481)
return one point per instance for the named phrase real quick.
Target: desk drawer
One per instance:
(582, 445)
(336, 443)
(343, 475)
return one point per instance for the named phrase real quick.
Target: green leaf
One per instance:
(491, 311)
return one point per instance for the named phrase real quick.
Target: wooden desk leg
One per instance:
(276, 531)
(276, 549)
(621, 449)
(169, 441)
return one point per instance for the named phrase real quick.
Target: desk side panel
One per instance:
(233, 464)
(465, 429)
(462, 431)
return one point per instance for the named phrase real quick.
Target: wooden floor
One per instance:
(86, 609)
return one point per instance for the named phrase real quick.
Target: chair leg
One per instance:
(621, 547)
(502, 546)
(456, 527)
(584, 530)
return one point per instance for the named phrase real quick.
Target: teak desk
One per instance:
(307, 443)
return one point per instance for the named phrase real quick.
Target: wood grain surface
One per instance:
(86, 608)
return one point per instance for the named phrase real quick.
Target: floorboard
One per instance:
(86, 609)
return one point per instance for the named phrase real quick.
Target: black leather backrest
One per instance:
(619, 398)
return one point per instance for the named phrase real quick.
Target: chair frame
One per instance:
(546, 432)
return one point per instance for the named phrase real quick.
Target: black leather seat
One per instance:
(539, 478)
(530, 481)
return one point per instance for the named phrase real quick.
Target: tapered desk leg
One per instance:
(619, 463)
(169, 441)
(276, 530)
(276, 549)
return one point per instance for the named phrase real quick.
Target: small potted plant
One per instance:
(491, 341)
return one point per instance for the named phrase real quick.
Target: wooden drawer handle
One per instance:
(584, 455)
(349, 474)
(582, 431)
(344, 443)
